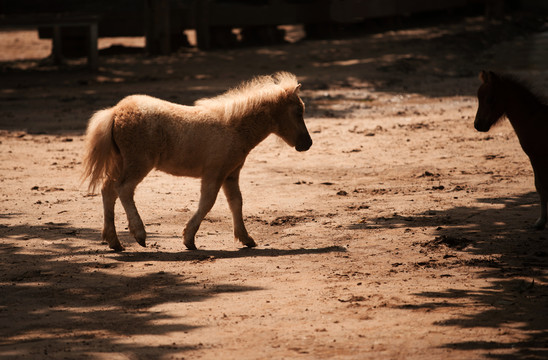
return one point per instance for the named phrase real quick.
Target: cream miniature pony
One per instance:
(209, 140)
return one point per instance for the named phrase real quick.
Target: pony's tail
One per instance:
(101, 151)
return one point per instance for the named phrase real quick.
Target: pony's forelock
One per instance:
(250, 94)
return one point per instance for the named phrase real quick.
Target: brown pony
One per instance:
(501, 95)
(209, 140)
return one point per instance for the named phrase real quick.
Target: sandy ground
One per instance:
(401, 234)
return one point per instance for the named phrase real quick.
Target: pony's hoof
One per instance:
(117, 247)
(141, 241)
(191, 246)
(249, 242)
(140, 237)
(540, 224)
(189, 240)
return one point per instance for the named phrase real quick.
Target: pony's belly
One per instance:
(181, 171)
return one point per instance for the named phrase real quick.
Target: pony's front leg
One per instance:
(109, 228)
(231, 188)
(542, 192)
(541, 221)
(209, 190)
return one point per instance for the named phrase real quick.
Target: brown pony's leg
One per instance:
(541, 222)
(231, 188)
(543, 194)
(126, 191)
(109, 228)
(209, 190)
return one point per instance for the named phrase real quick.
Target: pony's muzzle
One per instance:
(304, 142)
(481, 126)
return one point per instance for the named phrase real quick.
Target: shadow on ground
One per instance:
(55, 303)
(511, 255)
(74, 300)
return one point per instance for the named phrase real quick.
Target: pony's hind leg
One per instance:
(233, 195)
(109, 228)
(126, 192)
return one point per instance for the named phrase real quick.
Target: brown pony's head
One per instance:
(291, 127)
(490, 101)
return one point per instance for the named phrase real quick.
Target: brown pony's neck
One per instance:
(521, 103)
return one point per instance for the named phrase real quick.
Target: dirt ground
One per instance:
(401, 234)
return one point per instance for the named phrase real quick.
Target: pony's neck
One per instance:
(521, 106)
(255, 126)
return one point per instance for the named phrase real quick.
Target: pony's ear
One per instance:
(293, 91)
(484, 76)
(487, 76)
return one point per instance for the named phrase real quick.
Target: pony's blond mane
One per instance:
(250, 95)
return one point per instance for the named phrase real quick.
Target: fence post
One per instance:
(203, 33)
(157, 28)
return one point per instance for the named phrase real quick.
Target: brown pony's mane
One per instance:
(523, 88)
(250, 95)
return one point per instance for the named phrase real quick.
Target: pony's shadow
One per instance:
(208, 255)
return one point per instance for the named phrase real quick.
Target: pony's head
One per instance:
(277, 95)
(290, 122)
(490, 101)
